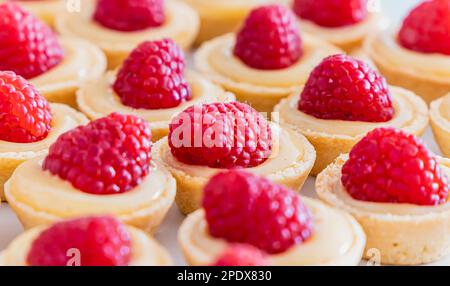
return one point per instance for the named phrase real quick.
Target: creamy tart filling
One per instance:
(98, 99)
(288, 150)
(385, 48)
(145, 251)
(343, 35)
(230, 8)
(64, 119)
(384, 208)
(47, 195)
(319, 249)
(44, 9)
(181, 24)
(82, 61)
(222, 62)
(408, 111)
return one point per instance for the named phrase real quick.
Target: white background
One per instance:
(167, 233)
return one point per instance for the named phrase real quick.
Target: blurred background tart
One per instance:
(140, 89)
(77, 242)
(289, 230)
(266, 61)
(101, 168)
(118, 26)
(344, 99)
(417, 55)
(440, 122)
(398, 191)
(56, 66)
(29, 124)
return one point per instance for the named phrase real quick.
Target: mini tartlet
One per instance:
(181, 24)
(401, 231)
(46, 10)
(440, 122)
(343, 99)
(145, 251)
(262, 88)
(220, 17)
(13, 154)
(36, 189)
(203, 235)
(82, 61)
(347, 34)
(413, 56)
(288, 163)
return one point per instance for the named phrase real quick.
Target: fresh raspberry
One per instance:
(108, 156)
(153, 77)
(25, 115)
(96, 241)
(221, 135)
(269, 39)
(130, 15)
(332, 13)
(242, 207)
(241, 255)
(391, 166)
(28, 46)
(345, 88)
(427, 28)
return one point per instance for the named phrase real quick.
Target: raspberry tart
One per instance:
(86, 241)
(241, 207)
(440, 122)
(55, 66)
(417, 56)
(139, 88)
(29, 124)
(205, 139)
(343, 99)
(219, 17)
(46, 10)
(266, 60)
(398, 191)
(118, 26)
(104, 167)
(344, 23)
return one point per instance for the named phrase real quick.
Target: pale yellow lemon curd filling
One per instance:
(43, 199)
(64, 119)
(410, 114)
(145, 251)
(181, 25)
(384, 48)
(345, 247)
(98, 99)
(46, 10)
(343, 36)
(396, 209)
(81, 61)
(227, 8)
(217, 59)
(289, 151)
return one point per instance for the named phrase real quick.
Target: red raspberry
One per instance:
(269, 39)
(130, 15)
(391, 166)
(221, 135)
(108, 156)
(99, 241)
(332, 13)
(25, 115)
(241, 255)
(427, 28)
(28, 46)
(153, 77)
(242, 207)
(345, 88)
